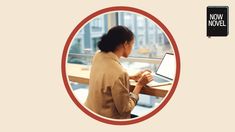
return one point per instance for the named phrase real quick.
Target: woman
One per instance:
(109, 94)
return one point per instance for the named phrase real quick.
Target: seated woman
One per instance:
(109, 94)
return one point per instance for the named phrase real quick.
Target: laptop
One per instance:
(165, 72)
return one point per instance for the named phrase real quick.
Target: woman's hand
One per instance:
(145, 78)
(138, 75)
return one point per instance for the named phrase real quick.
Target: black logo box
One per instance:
(217, 21)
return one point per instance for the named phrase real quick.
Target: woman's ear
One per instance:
(125, 44)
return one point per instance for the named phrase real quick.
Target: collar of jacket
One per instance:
(114, 57)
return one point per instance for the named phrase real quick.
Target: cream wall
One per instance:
(33, 96)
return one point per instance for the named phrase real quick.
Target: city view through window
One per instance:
(150, 41)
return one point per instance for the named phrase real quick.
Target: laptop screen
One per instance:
(167, 67)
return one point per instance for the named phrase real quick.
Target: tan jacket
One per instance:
(109, 87)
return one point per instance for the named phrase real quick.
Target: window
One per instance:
(76, 46)
(127, 19)
(97, 24)
(150, 41)
(94, 43)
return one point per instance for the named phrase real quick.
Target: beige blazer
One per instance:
(109, 87)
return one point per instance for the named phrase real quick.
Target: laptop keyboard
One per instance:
(159, 80)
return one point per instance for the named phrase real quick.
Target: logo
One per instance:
(217, 21)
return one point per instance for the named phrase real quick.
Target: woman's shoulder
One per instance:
(108, 62)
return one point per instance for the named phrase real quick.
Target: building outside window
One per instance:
(97, 24)
(95, 41)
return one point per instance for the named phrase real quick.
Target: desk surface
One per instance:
(80, 73)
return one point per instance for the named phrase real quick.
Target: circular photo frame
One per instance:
(65, 55)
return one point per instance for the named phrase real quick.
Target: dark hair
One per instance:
(115, 36)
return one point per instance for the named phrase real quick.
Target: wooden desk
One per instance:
(80, 73)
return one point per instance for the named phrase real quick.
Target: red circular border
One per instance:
(64, 56)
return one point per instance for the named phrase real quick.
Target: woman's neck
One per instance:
(118, 53)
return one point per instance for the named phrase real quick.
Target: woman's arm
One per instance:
(144, 79)
(138, 75)
(124, 100)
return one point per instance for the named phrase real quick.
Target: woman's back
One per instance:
(109, 87)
